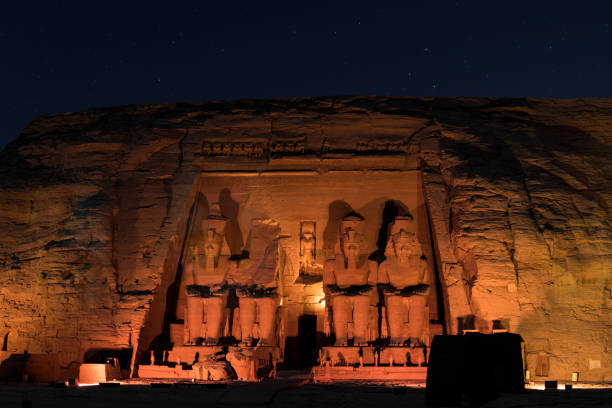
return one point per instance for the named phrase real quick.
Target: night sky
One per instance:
(61, 56)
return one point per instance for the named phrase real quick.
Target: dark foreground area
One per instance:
(272, 393)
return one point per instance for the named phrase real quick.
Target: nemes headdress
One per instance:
(350, 230)
(215, 220)
(402, 227)
(351, 225)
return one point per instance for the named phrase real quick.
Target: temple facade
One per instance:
(231, 240)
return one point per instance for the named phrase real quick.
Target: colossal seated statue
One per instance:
(204, 279)
(349, 281)
(404, 278)
(256, 283)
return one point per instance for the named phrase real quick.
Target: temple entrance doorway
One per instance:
(307, 340)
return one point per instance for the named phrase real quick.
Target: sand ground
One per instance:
(283, 393)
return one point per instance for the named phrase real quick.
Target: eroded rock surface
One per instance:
(94, 211)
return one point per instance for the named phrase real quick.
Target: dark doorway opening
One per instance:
(307, 340)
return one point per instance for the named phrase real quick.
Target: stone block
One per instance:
(91, 373)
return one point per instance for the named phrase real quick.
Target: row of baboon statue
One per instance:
(351, 284)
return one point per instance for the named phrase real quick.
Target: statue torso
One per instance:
(203, 276)
(337, 273)
(249, 273)
(404, 275)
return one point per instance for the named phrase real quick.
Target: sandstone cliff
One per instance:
(94, 209)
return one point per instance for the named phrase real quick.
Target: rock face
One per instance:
(511, 196)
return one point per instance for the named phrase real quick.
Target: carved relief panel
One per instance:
(308, 249)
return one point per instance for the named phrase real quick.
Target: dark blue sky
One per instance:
(60, 56)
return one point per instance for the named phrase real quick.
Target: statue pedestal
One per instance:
(339, 364)
(401, 355)
(254, 363)
(190, 362)
(415, 375)
(347, 355)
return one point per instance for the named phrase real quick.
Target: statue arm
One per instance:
(329, 277)
(232, 272)
(424, 269)
(383, 275)
(424, 277)
(188, 278)
(373, 273)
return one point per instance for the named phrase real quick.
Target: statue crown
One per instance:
(216, 221)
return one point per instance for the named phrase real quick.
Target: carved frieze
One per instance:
(250, 149)
(261, 149)
(382, 147)
(287, 146)
(379, 147)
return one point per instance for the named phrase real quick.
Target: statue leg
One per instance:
(266, 316)
(361, 317)
(247, 318)
(416, 318)
(214, 307)
(341, 309)
(195, 316)
(395, 318)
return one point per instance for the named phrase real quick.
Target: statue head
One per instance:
(307, 234)
(351, 238)
(402, 240)
(215, 223)
(307, 230)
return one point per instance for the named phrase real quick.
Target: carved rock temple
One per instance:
(230, 240)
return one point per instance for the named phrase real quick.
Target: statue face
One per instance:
(308, 238)
(307, 234)
(404, 243)
(213, 243)
(350, 243)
